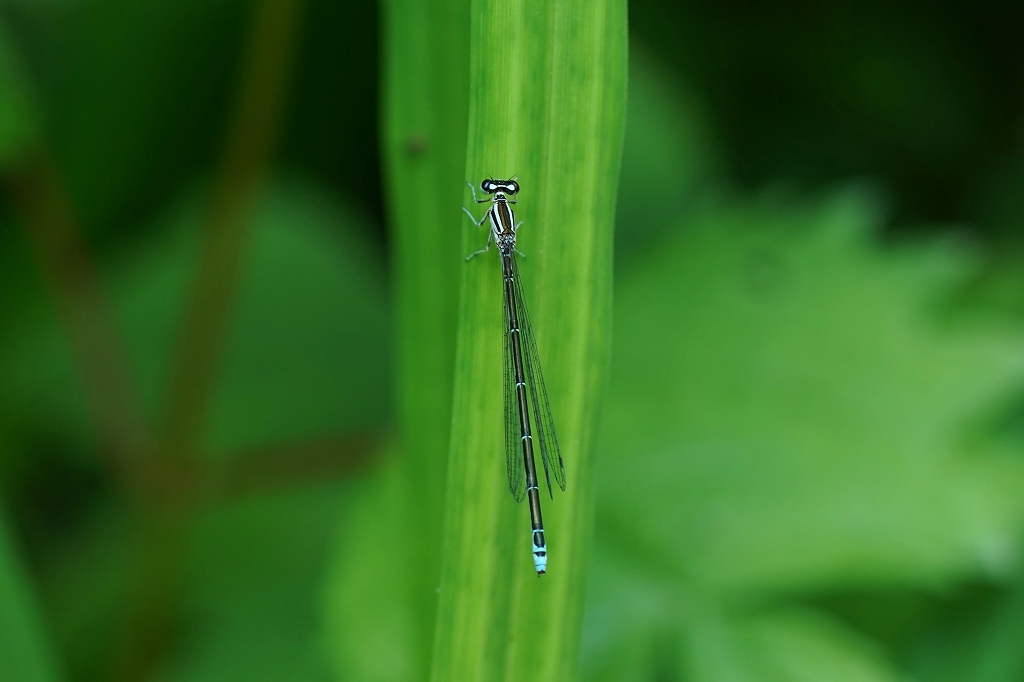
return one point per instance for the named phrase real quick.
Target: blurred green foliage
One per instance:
(310, 291)
(810, 457)
(805, 459)
(804, 450)
(25, 653)
(923, 96)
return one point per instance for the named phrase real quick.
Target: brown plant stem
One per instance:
(246, 158)
(150, 623)
(71, 275)
(289, 465)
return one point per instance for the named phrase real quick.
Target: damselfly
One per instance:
(526, 398)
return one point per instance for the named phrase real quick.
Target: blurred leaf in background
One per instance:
(216, 572)
(24, 651)
(368, 611)
(669, 164)
(18, 125)
(305, 364)
(923, 98)
(312, 299)
(794, 411)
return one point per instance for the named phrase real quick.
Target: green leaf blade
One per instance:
(547, 98)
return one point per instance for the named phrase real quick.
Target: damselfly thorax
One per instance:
(500, 214)
(503, 222)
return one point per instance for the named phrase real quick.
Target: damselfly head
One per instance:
(503, 186)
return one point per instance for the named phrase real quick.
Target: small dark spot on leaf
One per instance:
(417, 144)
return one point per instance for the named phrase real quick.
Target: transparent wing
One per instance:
(513, 443)
(551, 454)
